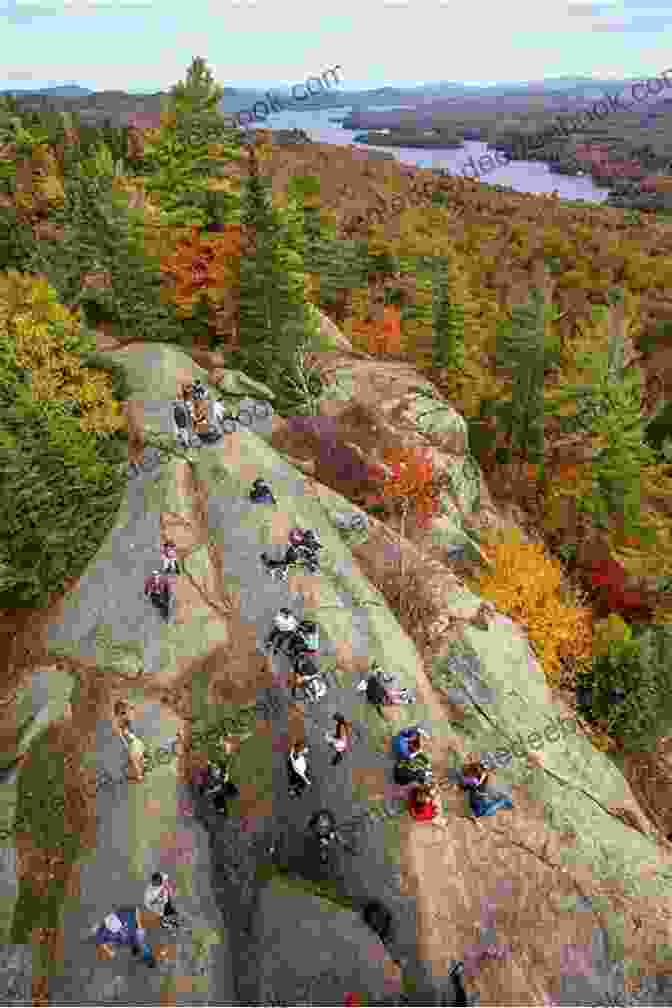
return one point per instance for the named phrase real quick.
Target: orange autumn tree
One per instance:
(410, 484)
(378, 336)
(204, 269)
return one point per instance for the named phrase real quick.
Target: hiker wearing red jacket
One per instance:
(422, 806)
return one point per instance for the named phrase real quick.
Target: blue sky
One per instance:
(146, 45)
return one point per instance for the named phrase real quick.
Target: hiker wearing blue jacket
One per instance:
(121, 928)
(401, 743)
(483, 801)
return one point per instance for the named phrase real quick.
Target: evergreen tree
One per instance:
(449, 316)
(520, 349)
(417, 316)
(275, 320)
(607, 408)
(180, 165)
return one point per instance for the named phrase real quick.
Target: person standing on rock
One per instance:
(159, 896)
(297, 766)
(341, 739)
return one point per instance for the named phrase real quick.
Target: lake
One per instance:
(524, 176)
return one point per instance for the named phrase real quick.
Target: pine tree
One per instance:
(179, 166)
(607, 408)
(274, 322)
(449, 319)
(520, 349)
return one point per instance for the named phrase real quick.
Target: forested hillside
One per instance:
(527, 313)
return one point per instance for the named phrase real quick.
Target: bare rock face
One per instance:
(16, 974)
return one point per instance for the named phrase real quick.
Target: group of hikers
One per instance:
(124, 926)
(414, 767)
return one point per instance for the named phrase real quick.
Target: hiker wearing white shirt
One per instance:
(297, 764)
(158, 898)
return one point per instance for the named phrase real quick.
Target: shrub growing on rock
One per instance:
(525, 583)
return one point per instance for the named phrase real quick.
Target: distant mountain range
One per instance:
(122, 106)
(60, 91)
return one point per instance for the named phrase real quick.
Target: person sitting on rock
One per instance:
(416, 769)
(121, 928)
(285, 624)
(408, 742)
(159, 899)
(421, 804)
(483, 802)
(261, 492)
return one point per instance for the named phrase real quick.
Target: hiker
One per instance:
(218, 784)
(341, 738)
(401, 743)
(307, 676)
(157, 588)
(261, 493)
(123, 712)
(297, 766)
(422, 805)
(417, 769)
(456, 974)
(305, 640)
(171, 564)
(182, 420)
(121, 928)
(380, 692)
(306, 544)
(136, 753)
(158, 899)
(285, 624)
(483, 802)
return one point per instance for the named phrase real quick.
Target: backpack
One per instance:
(310, 635)
(181, 415)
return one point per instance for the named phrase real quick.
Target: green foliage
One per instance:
(520, 349)
(659, 428)
(121, 388)
(179, 166)
(17, 241)
(275, 321)
(607, 407)
(448, 348)
(61, 489)
(101, 231)
(640, 667)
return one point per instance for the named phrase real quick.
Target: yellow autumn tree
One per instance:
(526, 584)
(44, 341)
